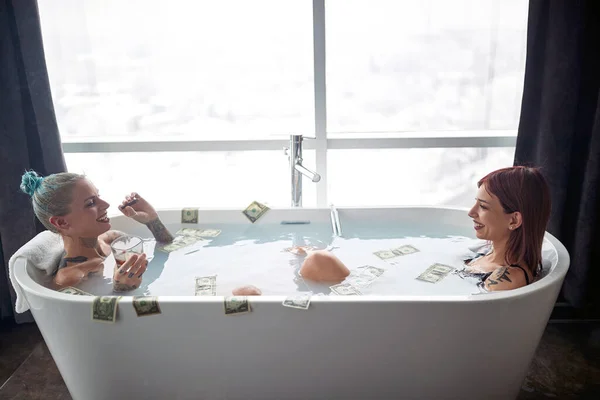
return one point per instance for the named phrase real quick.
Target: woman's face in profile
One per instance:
(490, 220)
(88, 217)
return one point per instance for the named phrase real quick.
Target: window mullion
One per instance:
(320, 99)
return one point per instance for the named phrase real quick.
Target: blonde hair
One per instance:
(51, 195)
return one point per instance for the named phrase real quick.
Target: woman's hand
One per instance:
(129, 275)
(139, 209)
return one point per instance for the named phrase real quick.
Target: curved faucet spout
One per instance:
(307, 172)
(297, 169)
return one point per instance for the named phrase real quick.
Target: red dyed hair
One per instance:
(525, 190)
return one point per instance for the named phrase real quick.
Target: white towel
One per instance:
(44, 252)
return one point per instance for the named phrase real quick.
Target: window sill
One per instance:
(353, 140)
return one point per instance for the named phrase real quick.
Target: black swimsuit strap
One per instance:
(470, 260)
(522, 269)
(485, 275)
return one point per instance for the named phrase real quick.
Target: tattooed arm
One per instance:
(505, 278)
(136, 207)
(159, 231)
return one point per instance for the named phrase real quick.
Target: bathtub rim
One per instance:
(29, 285)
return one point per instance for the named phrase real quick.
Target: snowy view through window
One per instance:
(243, 70)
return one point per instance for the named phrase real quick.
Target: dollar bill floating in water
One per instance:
(396, 252)
(371, 270)
(189, 216)
(385, 254)
(360, 281)
(199, 233)
(345, 289)
(210, 232)
(146, 305)
(365, 275)
(179, 242)
(104, 309)
(300, 301)
(74, 291)
(435, 273)
(405, 250)
(206, 286)
(255, 210)
(188, 232)
(236, 305)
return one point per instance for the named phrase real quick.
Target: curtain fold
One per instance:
(559, 131)
(29, 137)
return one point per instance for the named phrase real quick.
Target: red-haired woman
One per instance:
(511, 211)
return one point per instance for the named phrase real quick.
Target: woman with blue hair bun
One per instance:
(70, 205)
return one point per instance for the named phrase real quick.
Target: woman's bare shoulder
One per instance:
(505, 278)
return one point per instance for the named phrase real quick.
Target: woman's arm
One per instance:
(160, 232)
(71, 276)
(136, 207)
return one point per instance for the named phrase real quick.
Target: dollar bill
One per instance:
(236, 305)
(183, 240)
(189, 216)
(74, 291)
(300, 301)
(385, 254)
(255, 210)
(188, 232)
(169, 248)
(345, 289)
(405, 250)
(371, 270)
(104, 309)
(199, 233)
(360, 281)
(206, 286)
(364, 276)
(435, 273)
(146, 305)
(210, 232)
(179, 242)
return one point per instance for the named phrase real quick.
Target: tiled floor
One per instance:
(16, 344)
(566, 365)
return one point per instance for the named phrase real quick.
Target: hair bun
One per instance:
(30, 181)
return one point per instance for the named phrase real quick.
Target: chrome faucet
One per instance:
(294, 153)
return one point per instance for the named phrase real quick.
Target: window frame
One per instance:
(321, 142)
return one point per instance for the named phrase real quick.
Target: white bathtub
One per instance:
(369, 347)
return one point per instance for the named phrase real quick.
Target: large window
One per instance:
(190, 102)
(212, 179)
(431, 176)
(201, 69)
(408, 65)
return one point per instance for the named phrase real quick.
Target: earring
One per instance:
(511, 227)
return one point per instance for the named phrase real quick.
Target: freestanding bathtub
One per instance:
(355, 347)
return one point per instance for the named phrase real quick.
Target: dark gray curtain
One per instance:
(29, 135)
(559, 130)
